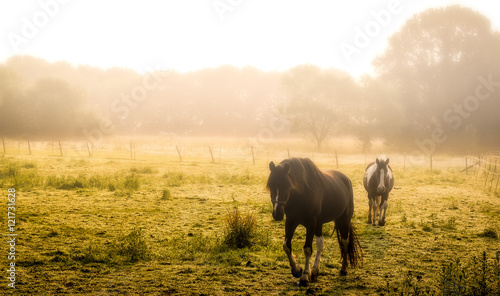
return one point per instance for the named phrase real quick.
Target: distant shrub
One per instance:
(131, 182)
(144, 170)
(66, 182)
(451, 223)
(175, 179)
(489, 232)
(27, 180)
(166, 194)
(111, 187)
(11, 169)
(29, 165)
(127, 248)
(193, 245)
(246, 178)
(239, 230)
(133, 246)
(93, 253)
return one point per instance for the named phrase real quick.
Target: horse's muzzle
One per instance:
(279, 212)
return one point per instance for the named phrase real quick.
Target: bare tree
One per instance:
(319, 100)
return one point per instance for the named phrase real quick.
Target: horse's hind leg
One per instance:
(342, 226)
(319, 249)
(370, 206)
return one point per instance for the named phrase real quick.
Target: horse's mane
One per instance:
(304, 174)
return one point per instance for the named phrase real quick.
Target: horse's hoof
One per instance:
(381, 223)
(297, 274)
(343, 272)
(303, 283)
(314, 277)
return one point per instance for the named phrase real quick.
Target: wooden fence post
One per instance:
(211, 154)
(88, 148)
(29, 146)
(466, 166)
(178, 152)
(336, 159)
(288, 149)
(60, 148)
(478, 166)
(253, 156)
(3, 144)
(131, 150)
(430, 160)
(488, 163)
(494, 173)
(498, 177)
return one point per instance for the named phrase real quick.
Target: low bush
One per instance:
(239, 230)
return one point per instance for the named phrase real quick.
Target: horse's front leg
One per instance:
(370, 207)
(384, 204)
(375, 208)
(287, 247)
(306, 275)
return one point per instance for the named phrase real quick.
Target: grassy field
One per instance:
(153, 225)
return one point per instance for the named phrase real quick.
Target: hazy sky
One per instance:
(187, 35)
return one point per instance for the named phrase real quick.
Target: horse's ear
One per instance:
(387, 161)
(378, 161)
(272, 166)
(286, 166)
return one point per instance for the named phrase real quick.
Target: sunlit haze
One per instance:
(190, 35)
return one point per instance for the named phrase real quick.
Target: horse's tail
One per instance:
(354, 251)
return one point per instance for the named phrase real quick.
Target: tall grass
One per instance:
(240, 230)
(129, 248)
(26, 176)
(479, 276)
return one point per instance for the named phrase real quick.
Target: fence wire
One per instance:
(487, 166)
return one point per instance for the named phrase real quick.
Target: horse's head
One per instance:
(382, 174)
(280, 185)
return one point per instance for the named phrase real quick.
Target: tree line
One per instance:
(436, 88)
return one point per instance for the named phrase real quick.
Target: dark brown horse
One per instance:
(310, 197)
(378, 182)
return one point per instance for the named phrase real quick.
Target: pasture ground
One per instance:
(153, 225)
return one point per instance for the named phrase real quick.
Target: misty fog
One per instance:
(435, 89)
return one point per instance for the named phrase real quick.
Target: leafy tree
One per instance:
(56, 110)
(435, 61)
(10, 107)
